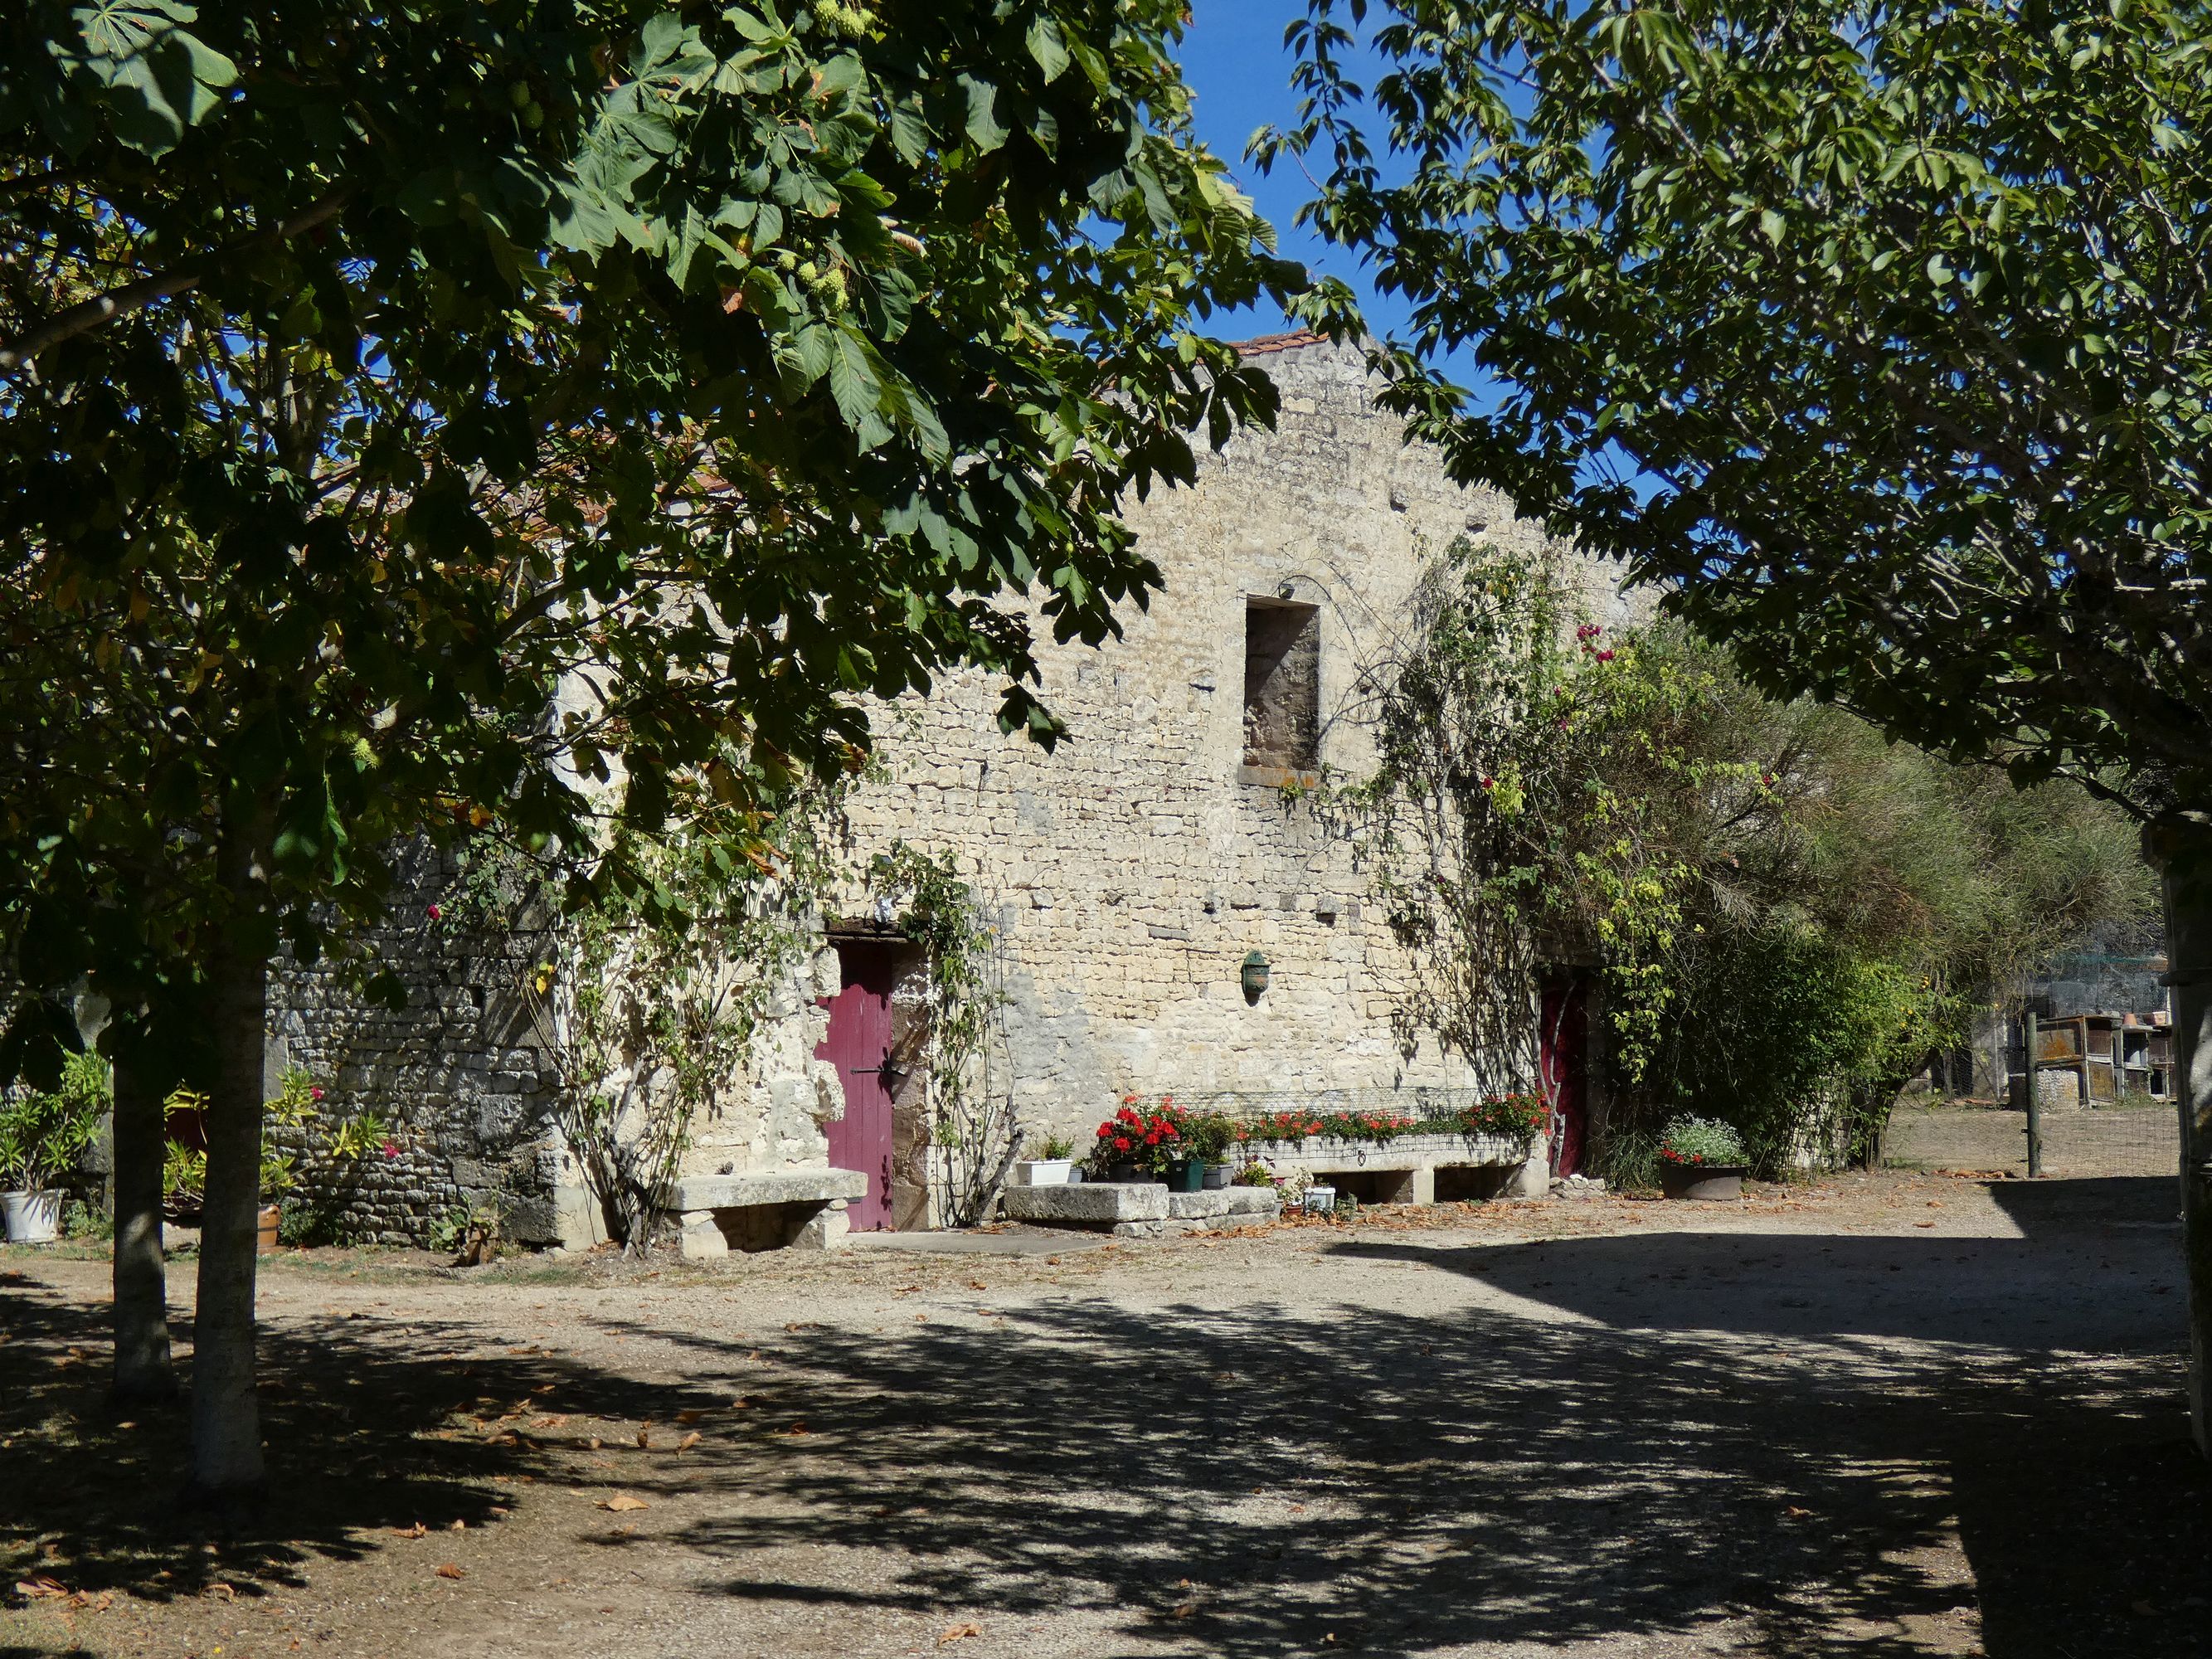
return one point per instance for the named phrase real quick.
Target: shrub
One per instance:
(44, 1133)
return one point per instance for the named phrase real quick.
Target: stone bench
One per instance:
(1141, 1209)
(801, 1209)
(1405, 1170)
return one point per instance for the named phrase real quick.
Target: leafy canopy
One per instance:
(1878, 335)
(374, 380)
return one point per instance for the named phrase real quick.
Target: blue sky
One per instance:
(1234, 59)
(1235, 63)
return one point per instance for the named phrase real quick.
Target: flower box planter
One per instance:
(1217, 1176)
(1043, 1172)
(1704, 1181)
(33, 1217)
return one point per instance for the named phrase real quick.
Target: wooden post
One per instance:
(2033, 1032)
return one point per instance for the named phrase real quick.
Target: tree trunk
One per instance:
(2186, 864)
(143, 1371)
(227, 1463)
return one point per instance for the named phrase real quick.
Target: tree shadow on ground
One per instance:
(1256, 1481)
(353, 1417)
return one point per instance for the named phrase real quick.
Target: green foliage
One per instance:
(1877, 334)
(649, 1002)
(971, 1097)
(83, 1220)
(1535, 799)
(762, 360)
(1700, 1140)
(308, 1223)
(1056, 1147)
(1789, 913)
(44, 1133)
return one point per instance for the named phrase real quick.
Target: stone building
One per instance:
(1127, 879)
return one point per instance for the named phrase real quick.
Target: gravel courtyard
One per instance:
(1881, 1416)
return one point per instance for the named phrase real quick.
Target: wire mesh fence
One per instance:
(2125, 1140)
(1249, 1105)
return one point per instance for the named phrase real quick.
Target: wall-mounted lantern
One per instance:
(1254, 976)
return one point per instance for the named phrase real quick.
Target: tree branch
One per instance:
(89, 314)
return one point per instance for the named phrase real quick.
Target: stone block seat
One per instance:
(1141, 1209)
(803, 1209)
(1412, 1168)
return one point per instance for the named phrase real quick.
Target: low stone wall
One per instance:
(1142, 1209)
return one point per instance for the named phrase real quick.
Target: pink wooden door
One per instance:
(860, 1045)
(1563, 1033)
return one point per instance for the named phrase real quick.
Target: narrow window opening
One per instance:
(1282, 685)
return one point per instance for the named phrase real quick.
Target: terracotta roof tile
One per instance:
(1267, 344)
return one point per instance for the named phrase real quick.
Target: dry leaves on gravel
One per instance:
(622, 1502)
(959, 1633)
(447, 1570)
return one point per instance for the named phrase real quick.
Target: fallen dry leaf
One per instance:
(690, 1415)
(32, 1589)
(959, 1633)
(227, 1592)
(688, 1442)
(798, 1428)
(447, 1570)
(458, 1526)
(645, 1437)
(418, 1530)
(977, 1284)
(622, 1502)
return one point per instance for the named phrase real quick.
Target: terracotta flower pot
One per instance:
(1702, 1181)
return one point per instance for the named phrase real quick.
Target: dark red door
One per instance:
(1564, 1036)
(859, 1046)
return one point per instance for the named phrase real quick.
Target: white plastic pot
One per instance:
(1043, 1172)
(33, 1217)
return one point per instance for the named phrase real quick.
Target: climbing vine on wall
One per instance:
(1520, 810)
(647, 1004)
(972, 1134)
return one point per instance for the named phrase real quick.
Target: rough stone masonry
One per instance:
(1129, 875)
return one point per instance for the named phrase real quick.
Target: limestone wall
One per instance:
(1132, 871)
(1129, 874)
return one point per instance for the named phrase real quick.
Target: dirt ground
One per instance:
(1881, 1417)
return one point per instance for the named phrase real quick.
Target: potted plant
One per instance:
(42, 1135)
(1053, 1169)
(293, 1108)
(1700, 1157)
(1139, 1142)
(1207, 1135)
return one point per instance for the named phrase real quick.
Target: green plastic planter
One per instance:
(1188, 1176)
